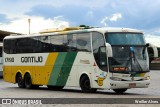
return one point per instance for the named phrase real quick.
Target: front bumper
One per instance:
(129, 84)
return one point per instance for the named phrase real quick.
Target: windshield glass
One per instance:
(125, 38)
(126, 58)
(129, 52)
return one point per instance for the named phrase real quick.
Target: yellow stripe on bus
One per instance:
(51, 58)
(40, 74)
(49, 65)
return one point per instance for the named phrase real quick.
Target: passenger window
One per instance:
(57, 43)
(24, 45)
(83, 42)
(70, 42)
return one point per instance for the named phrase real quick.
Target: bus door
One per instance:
(100, 69)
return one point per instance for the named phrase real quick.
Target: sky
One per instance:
(44, 14)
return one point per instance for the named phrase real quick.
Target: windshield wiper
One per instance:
(132, 56)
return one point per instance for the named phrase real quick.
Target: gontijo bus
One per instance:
(96, 58)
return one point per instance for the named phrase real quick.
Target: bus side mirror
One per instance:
(109, 50)
(147, 45)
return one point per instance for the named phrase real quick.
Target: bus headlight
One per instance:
(146, 78)
(115, 78)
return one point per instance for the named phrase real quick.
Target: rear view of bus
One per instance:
(128, 60)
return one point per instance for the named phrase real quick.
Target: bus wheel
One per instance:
(28, 81)
(55, 87)
(120, 91)
(85, 85)
(20, 81)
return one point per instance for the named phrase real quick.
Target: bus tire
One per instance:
(20, 81)
(28, 81)
(120, 91)
(55, 87)
(85, 85)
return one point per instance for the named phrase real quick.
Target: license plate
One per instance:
(132, 85)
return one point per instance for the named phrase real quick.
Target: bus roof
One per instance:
(76, 30)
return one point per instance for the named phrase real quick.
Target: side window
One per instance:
(13, 46)
(7, 46)
(44, 43)
(150, 53)
(10, 46)
(70, 42)
(98, 42)
(22, 45)
(36, 44)
(56, 43)
(83, 42)
(26, 45)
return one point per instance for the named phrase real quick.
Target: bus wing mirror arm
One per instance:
(109, 50)
(147, 44)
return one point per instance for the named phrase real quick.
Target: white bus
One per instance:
(154, 56)
(96, 58)
(1, 60)
(152, 51)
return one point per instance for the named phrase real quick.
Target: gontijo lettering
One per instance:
(32, 59)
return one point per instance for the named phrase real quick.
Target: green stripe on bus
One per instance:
(66, 68)
(57, 68)
(62, 68)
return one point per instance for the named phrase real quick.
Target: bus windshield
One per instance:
(125, 38)
(129, 52)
